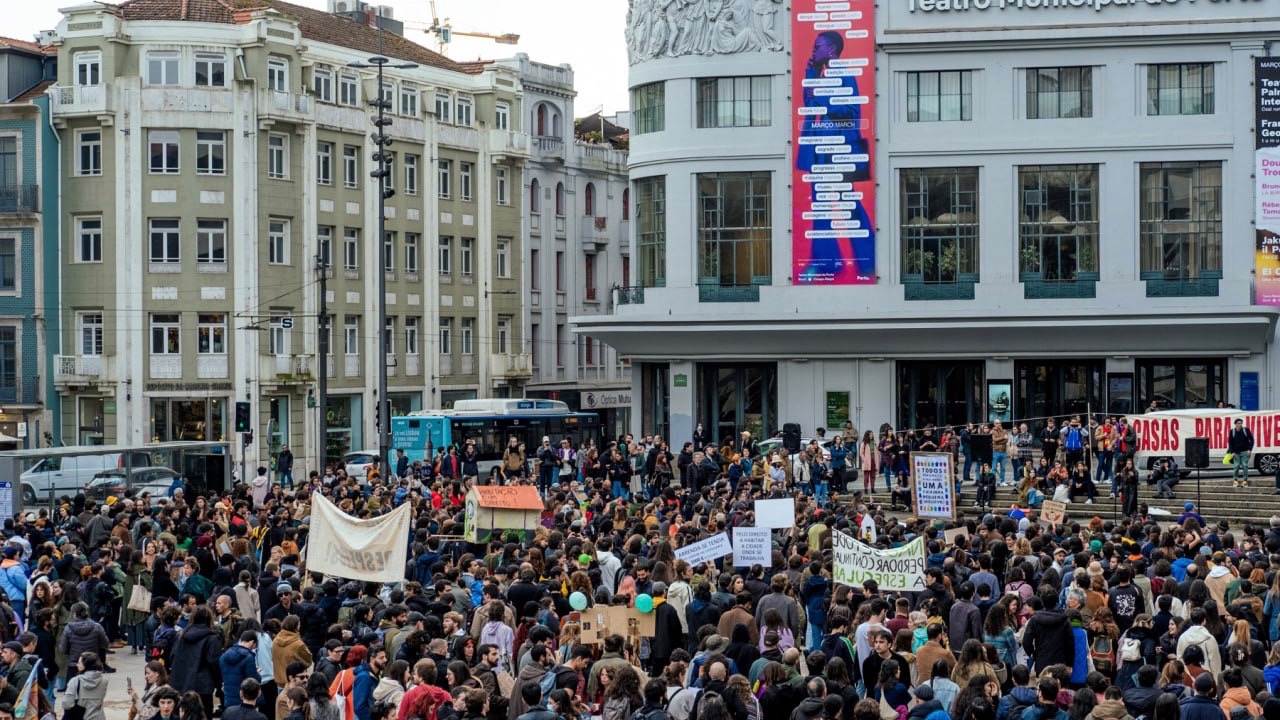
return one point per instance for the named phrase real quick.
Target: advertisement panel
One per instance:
(1266, 214)
(833, 138)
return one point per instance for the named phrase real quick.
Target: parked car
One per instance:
(159, 481)
(357, 463)
(771, 445)
(55, 476)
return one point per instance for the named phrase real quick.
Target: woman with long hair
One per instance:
(889, 686)
(740, 685)
(145, 706)
(945, 690)
(972, 663)
(392, 686)
(998, 629)
(1172, 679)
(1167, 708)
(621, 693)
(88, 689)
(1242, 633)
(773, 623)
(320, 704)
(870, 460)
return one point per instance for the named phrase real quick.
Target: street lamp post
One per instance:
(383, 158)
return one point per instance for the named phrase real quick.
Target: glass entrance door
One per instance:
(932, 393)
(737, 397)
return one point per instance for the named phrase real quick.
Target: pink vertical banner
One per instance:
(833, 140)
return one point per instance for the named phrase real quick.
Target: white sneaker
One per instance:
(1089, 501)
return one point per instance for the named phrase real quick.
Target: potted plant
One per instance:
(917, 262)
(1029, 267)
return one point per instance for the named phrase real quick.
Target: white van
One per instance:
(58, 476)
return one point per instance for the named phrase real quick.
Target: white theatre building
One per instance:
(1063, 210)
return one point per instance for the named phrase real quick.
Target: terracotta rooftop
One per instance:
(34, 92)
(316, 25)
(30, 47)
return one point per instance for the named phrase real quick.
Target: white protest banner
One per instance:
(752, 545)
(776, 513)
(706, 550)
(899, 569)
(932, 488)
(373, 550)
(1053, 512)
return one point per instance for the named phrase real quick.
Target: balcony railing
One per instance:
(284, 105)
(1173, 284)
(19, 198)
(510, 366)
(716, 291)
(628, 295)
(546, 146)
(74, 99)
(287, 369)
(1036, 287)
(962, 288)
(77, 369)
(24, 391)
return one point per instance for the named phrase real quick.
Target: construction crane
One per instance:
(444, 32)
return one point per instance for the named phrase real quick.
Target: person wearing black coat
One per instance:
(1048, 637)
(195, 659)
(699, 612)
(668, 634)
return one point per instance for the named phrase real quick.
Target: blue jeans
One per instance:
(888, 475)
(968, 465)
(1240, 466)
(822, 491)
(815, 637)
(619, 491)
(1104, 471)
(997, 464)
(285, 477)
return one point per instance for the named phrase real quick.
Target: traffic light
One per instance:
(242, 418)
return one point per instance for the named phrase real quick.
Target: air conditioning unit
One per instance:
(387, 12)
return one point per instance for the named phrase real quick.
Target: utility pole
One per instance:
(383, 158)
(322, 349)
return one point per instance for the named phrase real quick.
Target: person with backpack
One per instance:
(1074, 439)
(655, 702)
(1240, 446)
(1021, 696)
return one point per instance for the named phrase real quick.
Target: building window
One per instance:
(446, 255)
(88, 69)
(626, 203)
(411, 242)
(211, 152)
(8, 263)
(651, 231)
(559, 199)
(211, 334)
(322, 83)
(1180, 89)
(351, 248)
(278, 74)
(211, 242)
(534, 269)
(503, 344)
(89, 240)
(648, 108)
(89, 152)
(89, 328)
(940, 96)
(411, 174)
(278, 156)
(535, 197)
(278, 241)
(589, 275)
(211, 70)
(1058, 232)
(350, 166)
(279, 334)
(324, 163)
(735, 229)
(1063, 92)
(324, 237)
(348, 89)
(162, 68)
(1181, 220)
(468, 333)
(502, 266)
(589, 200)
(559, 271)
(163, 147)
(388, 95)
(502, 116)
(389, 337)
(734, 102)
(939, 225)
(446, 336)
(465, 256)
(1181, 382)
(501, 184)
(560, 345)
(444, 107)
(165, 242)
(389, 251)
(351, 334)
(411, 335)
(465, 170)
(409, 101)
(463, 116)
(444, 171)
(166, 334)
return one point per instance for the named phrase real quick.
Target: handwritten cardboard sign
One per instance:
(1053, 512)
(706, 550)
(509, 497)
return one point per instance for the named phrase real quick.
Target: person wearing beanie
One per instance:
(926, 704)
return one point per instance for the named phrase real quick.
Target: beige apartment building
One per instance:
(215, 154)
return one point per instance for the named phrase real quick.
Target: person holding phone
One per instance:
(146, 706)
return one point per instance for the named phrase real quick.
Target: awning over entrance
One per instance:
(1092, 333)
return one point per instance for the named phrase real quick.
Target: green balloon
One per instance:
(584, 559)
(644, 603)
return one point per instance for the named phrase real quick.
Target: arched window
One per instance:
(589, 200)
(626, 203)
(540, 119)
(559, 199)
(535, 197)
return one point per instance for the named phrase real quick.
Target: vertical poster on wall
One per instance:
(833, 140)
(1000, 401)
(1266, 81)
(837, 411)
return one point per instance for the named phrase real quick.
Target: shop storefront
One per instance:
(202, 419)
(344, 429)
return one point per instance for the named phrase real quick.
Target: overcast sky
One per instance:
(587, 34)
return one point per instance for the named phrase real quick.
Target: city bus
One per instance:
(490, 423)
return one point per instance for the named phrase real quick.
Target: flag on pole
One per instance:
(28, 705)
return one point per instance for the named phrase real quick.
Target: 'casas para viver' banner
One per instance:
(854, 562)
(373, 550)
(1266, 82)
(833, 140)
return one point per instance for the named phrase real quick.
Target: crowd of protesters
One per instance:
(1015, 619)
